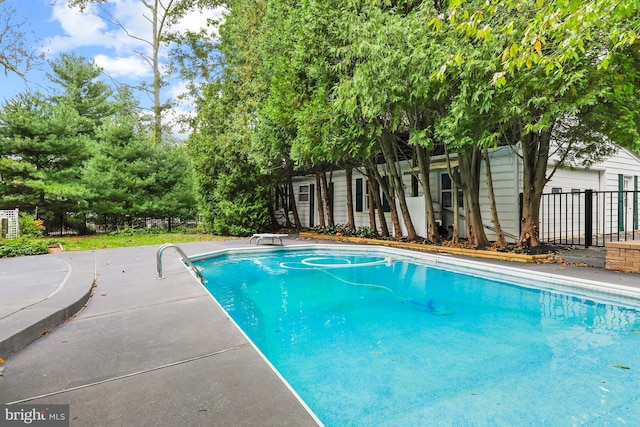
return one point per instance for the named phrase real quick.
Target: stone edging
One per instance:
(501, 256)
(623, 256)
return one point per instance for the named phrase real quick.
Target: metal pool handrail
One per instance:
(184, 256)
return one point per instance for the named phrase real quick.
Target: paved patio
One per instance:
(145, 351)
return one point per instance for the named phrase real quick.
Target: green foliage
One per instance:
(79, 150)
(104, 241)
(346, 230)
(130, 231)
(45, 140)
(78, 85)
(233, 191)
(128, 175)
(239, 201)
(315, 83)
(366, 232)
(42, 156)
(22, 246)
(29, 226)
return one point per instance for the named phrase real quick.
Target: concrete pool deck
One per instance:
(145, 351)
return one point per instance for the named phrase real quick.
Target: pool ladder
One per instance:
(186, 259)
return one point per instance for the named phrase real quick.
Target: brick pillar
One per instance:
(623, 256)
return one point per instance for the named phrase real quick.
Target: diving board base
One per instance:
(260, 236)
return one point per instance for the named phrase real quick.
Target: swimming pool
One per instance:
(387, 337)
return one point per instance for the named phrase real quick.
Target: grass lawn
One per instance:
(104, 241)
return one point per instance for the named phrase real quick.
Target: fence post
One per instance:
(588, 218)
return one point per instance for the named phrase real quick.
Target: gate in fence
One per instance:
(589, 218)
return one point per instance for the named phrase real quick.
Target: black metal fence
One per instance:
(67, 225)
(589, 218)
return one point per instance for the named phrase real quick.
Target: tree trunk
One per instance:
(319, 198)
(292, 201)
(157, 77)
(500, 241)
(286, 202)
(387, 190)
(372, 210)
(327, 198)
(535, 157)
(272, 215)
(455, 233)
(469, 166)
(374, 181)
(424, 156)
(388, 151)
(349, 176)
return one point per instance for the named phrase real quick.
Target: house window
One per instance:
(366, 196)
(446, 186)
(303, 193)
(556, 190)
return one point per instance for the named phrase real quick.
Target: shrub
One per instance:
(346, 230)
(22, 246)
(366, 232)
(130, 231)
(330, 229)
(29, 226)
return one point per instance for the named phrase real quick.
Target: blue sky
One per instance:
(56, 28)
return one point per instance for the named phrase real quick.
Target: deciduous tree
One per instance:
(17, 54)
(161, 15)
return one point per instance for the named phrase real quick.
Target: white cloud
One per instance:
(80, 29)
(117, 67)
(175, 118)
(195, 20)
(97, 27)
(115, 33)
(178, 92)
(121, 26)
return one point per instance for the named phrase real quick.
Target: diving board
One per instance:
(272, 236)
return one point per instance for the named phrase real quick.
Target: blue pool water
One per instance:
(367, 340)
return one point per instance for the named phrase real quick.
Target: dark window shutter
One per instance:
(359, 195)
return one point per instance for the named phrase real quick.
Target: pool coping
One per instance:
(475, 253)
(599, 290)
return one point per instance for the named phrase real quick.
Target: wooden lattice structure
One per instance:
(9, 228)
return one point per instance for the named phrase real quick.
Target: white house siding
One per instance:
(305, 206)
(568, 180)
(507, 180)
(562, 215)
(626, 164)
(562, 208)
(622, 162)
(504, 173)
(340, 198)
